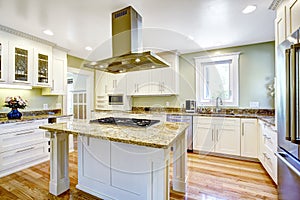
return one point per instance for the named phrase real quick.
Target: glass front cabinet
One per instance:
(21, 64)
(42, 68)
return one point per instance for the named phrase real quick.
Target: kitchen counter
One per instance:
(268, 119)
(160, 135)
(119, 162)
(30, 118)
(30, 115)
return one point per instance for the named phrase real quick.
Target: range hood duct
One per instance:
(127, 46)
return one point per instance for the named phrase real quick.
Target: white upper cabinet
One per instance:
(42, 76)
(58, 73)
(287, 20)
(3, 60)
(165, 81)
(293, 16)
(280, 25)
(116, 83)
(21, 62)
(156, 82)
(24, 62)
(138, 83)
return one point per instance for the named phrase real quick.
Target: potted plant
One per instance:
(14, 103)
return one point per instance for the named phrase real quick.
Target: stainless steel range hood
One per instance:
(127, 46)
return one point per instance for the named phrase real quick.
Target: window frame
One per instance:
(233, 78)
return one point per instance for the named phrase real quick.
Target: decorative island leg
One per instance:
(59, 163)
(179, 164)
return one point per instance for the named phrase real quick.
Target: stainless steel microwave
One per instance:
(115, 99)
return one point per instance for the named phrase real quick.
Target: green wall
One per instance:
(33, 96)
(256, 72)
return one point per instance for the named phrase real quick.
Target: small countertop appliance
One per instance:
(190, 106)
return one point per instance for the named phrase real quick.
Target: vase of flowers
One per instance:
(14, 103)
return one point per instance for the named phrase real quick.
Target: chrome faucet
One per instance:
(218, 103)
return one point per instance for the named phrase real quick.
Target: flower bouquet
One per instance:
(14, 103)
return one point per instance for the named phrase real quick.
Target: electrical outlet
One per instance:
(254, 104)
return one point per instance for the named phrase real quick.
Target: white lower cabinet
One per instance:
(217, 135)
(22, 145)
(249, 138)
(267, 148)
(112, 170)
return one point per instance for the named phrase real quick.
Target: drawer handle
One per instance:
(22, 123)
(24, 133)
(23, 150)
(267, 157)
(266, 136)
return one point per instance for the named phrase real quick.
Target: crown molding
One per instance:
(31, 37)
(275, 3)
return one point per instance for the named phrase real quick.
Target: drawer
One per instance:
(19, 139)
(21, 126)
(202, 120)
(270, 163)
(22, 156)
(269, 139)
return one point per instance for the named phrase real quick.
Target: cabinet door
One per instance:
(164, 81)
(280, 25)
(101, 83)
(261, 138)
(293, 16)
(249, 138)
(203, 139)
(42, 68)
(227, 136)
(59, 74)
(138, 83)
(3, 61)
(21, 59)
(116, 83)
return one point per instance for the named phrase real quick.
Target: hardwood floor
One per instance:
(209, 178)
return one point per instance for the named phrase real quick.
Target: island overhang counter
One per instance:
(119, 162)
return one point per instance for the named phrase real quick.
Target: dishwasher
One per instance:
(187, 119)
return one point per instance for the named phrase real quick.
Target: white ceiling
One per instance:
(185, 25)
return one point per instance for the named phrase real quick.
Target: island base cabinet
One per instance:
(112, 170)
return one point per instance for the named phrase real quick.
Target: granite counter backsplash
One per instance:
(208, 110)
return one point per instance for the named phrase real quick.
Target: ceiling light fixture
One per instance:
(249, 9)
(88, 48)
(48, 32)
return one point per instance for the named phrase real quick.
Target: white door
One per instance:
(80, 94)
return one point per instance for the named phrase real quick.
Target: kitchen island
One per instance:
(119, 162)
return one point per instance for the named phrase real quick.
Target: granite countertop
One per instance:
(30, 118)
(268, 119)
(160, 135)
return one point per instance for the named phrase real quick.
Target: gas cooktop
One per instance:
(125, 121)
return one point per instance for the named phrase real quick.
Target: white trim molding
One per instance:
(31, 37)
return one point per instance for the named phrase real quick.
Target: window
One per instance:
(217, 76)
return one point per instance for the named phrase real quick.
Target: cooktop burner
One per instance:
(125, 121)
